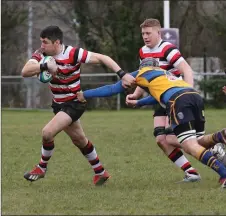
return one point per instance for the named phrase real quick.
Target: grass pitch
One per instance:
(143, 179)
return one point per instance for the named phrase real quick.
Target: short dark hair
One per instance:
(53, 33)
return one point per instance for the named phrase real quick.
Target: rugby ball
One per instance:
(218, 151)
(45, 76)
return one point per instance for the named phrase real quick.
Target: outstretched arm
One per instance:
(149, 100)
(97, 58)
(107, 90)
(104, 91)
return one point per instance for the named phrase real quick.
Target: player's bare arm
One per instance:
(96, 58)
(131, 102)
(136, 94)
(127, 79)
(186, 70)
(31, 68)
(131, 98)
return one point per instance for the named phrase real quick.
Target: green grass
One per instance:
(143, 179)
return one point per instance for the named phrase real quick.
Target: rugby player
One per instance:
(185, 110)
(170, 59)
(65, 68)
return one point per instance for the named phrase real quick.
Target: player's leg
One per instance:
(173, 153)
(170, 136)
(191, 174)
(186, 134)
(186, 115)
(56, 125)
(218, 149)
(203, 140)
(210, 140)
(160, 119)
(77, 135)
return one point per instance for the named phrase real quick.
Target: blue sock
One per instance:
(207, 158)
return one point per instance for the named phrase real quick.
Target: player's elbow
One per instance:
(104, 59)
(25, 72)
(96, 58)
(185, 68)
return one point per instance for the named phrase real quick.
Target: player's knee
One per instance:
(47, 135)
(161, 141)
(159, 133)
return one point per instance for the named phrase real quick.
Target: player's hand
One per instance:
(128, 81)
(131, 97)
(131, 103)
(52, 66)
(224, 90)
(80, 96)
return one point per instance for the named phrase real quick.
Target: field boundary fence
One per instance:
(30, 93)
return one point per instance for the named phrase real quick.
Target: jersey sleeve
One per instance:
(107, 90)
(149, 100)
(134, 73)
(104, 91)
(37, 55)
(173, 55)
(81, 55)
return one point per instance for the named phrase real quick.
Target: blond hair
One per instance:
(151, 23)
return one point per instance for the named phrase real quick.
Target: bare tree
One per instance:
(202, 28)
(13, 19)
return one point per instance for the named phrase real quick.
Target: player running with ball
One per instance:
(65, 68)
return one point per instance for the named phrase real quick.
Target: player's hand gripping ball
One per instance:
(45, 76)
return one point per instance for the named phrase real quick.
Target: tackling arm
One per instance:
(137, 93)
(107, 90)
(104, 91)
(149, 100)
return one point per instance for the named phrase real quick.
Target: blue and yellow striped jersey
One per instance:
(157, 81)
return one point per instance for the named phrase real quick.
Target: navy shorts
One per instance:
(74, 109)
(159, 111)
(186, 107)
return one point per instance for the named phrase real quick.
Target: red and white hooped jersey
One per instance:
(66, 83)
(167, 54)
